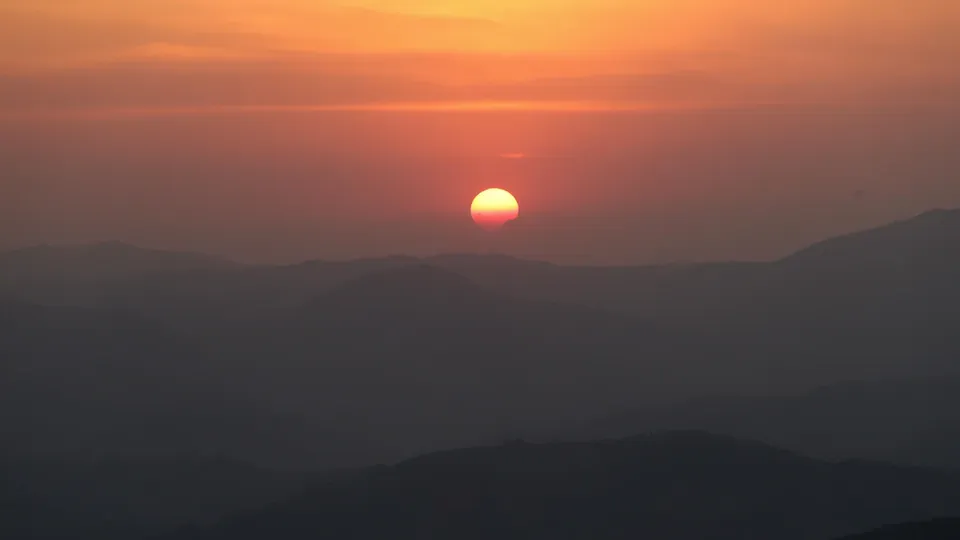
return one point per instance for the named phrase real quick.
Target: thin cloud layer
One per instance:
(108, 53)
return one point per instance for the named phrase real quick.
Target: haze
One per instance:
(651, 131)
(708, 290)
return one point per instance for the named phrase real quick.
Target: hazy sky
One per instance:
(650, 130)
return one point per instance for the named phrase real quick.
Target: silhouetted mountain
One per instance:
(390, 364)
(409, 289)
(931, 237)
(412, 349)
(891, 292)
(909, 250)
(380, 358)
(670, 486)
(911, 422)
(77, 380)
(124, 498)
(859, 303)
(938, 529)
(880, 303)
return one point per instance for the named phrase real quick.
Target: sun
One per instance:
(494, 207)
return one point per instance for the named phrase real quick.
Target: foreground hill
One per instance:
(939, 529)
(110, 498)
(670, 486)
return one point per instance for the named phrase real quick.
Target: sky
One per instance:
(630, 131)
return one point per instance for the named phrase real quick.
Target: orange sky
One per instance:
(631, 130)
(695, 53)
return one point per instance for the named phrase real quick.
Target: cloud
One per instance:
(162, 75)
(57, 33)
(615, 53)
(39, 39)
(827, 28)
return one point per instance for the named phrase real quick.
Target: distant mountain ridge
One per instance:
(105, 260)
(458, 350)
(935, 233)
(111, 351)
(908, 253)
(940, 228)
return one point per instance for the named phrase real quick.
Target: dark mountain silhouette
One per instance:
(904, 421)
(872, 304)
(938, 529)
(929, 237)
(114, 353)
(78, 380)
(909, 251)
(412, 349)
(390, 364)
(918, 244)
(118, 498)
(352, 362)
(880, 303)
(670, 486)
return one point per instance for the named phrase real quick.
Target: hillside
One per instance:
(939, 529)
(904, 421)
(425, 348)
(670, 486)
(385, 366)
(464, 350)
(123, 498)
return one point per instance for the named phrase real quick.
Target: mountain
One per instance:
(903, 421)
(929, 238)
(879, 303)
(111, 498)
(911, 251)
(93, 381)
(938, 529)
(387, 365)
(907, 253)
(893, 287)
(377, 359)
(890, 289)
(670, 486)
(435, 360)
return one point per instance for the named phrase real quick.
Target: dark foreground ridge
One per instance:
(938, 529)
(669, 486)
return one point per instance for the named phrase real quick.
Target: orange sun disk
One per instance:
(493, 208)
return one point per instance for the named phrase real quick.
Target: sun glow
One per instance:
(493, 208)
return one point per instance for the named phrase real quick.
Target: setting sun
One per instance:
(493, 208)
